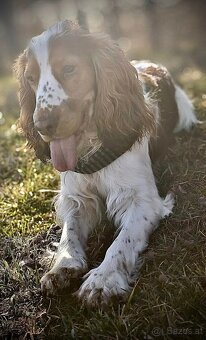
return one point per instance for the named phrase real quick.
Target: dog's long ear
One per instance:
(27, 103)
(120, 111)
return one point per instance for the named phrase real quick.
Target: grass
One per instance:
(168, 299)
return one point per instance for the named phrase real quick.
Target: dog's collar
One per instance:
(97, 161)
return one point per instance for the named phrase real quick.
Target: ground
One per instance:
(168, 299)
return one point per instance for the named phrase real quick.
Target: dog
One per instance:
(100, 120)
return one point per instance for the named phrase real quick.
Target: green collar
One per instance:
(99, 160)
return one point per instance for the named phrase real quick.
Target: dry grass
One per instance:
(168, 299)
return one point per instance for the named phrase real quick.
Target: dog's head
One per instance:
(74, 85)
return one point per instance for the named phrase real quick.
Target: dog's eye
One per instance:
(68, 70)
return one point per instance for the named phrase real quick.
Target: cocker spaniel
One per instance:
(100, 120)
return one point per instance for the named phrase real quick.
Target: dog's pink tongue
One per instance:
(63, 153)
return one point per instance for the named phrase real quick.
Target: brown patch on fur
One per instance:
(160, 83)
(121, 114)
(27, 103)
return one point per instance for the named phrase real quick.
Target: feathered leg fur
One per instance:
(79, 214)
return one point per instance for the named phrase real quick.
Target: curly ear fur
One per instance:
(121, 115)
(27, 106)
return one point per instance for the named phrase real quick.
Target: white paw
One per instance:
(59, 276)
(101, 285)
(168, 204)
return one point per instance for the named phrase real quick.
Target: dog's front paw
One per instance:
(100, 286)
(59, 277)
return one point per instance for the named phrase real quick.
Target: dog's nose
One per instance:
(45, 121)
(45, 127)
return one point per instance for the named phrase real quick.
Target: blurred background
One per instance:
(169, 31)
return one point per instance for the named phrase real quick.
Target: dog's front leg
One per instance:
(113, 276)
(79, 215)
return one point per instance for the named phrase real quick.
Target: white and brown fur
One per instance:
(126, 187)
